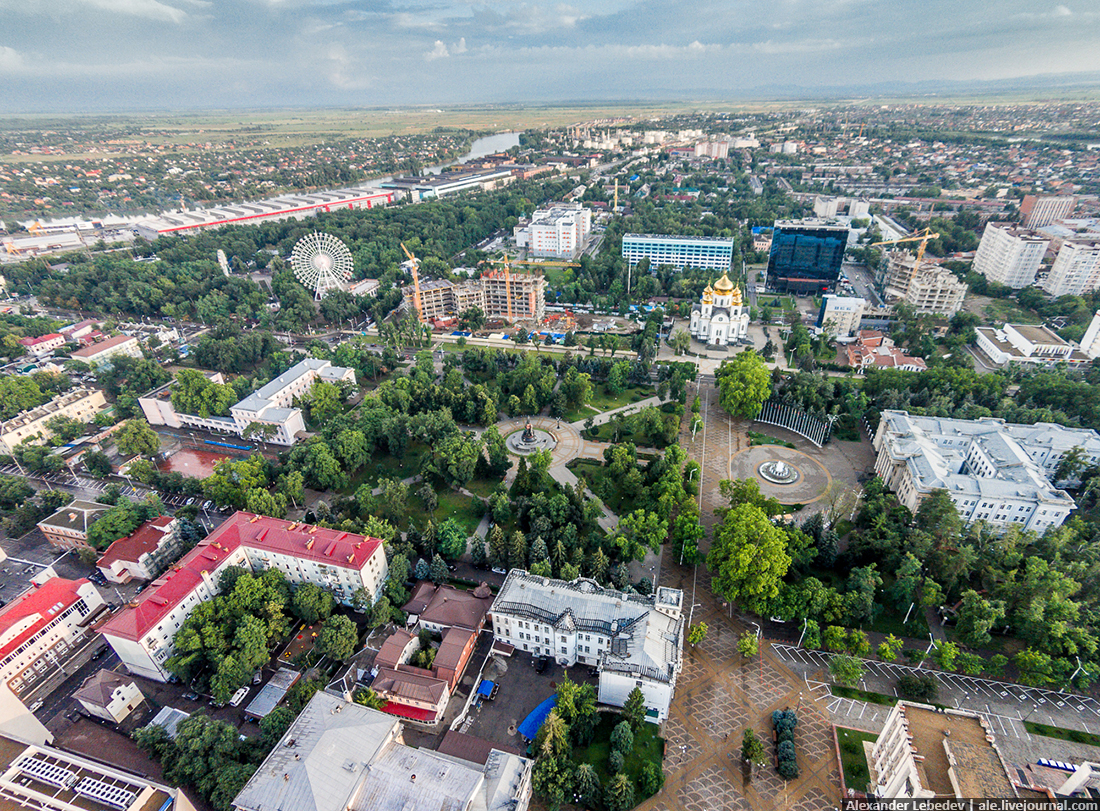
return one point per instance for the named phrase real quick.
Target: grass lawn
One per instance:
(1074, 735)
(863, 695)
(648, 747)
(1003, 309)
(483, 487)
(465, 510)
(603, 400)
(605, 433)
(852, 758)
(889, 622)
(384, 466)
(578, 414)
(758, 438)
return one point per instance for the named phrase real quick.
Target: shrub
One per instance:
(615, 762)
(918, 688)
(913, 656)
(788, 769)
(784, 719)
(785, 751)
(786, 734)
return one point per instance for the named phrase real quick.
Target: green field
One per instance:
(595, 472)
(1074, 735)
(465, 510)
(852, 758)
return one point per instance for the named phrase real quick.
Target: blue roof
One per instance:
(531, 724)
(485, 688)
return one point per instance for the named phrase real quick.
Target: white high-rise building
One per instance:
(1009, 255)
(1076, 271)
(1039, 211)
(1090, 343)
(559, 231)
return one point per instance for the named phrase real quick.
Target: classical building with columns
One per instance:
(720, 319)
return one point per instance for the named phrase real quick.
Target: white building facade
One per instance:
(559, 231)
(840, 316)
(1026, 344)
(1010, 255)
(79, 404)
(720, 318)
(1090, 342)
(42, 627)
(634, 640)
(1076, 269)
(993, 471)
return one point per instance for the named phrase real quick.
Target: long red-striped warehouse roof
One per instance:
(303, 541)
(33, 610)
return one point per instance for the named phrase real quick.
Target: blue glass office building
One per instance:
(805, 257)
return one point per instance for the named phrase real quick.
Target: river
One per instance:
(489, 145)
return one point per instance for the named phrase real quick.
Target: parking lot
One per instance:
(521, 689)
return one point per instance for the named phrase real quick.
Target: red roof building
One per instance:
(43, 343)
(44, 625)
(341, 562)
(873, 350)
(143, 553)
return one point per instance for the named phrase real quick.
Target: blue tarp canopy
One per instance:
(485, 688)
(530, 726)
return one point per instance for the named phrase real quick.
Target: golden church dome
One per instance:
(723, 285)
(735, 299)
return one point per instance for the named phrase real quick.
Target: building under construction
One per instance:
(499, 294)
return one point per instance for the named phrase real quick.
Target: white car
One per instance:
(238, 697)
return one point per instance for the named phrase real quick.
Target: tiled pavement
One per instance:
(719, 694)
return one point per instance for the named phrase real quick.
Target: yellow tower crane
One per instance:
(921, 237)
(416, 282)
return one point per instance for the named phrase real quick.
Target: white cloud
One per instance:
(10, 60)
(438, 52)
(460, 47)
(148, 9)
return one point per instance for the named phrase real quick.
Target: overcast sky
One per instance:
(60, 55)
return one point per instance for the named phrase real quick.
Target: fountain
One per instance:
(529, 440)
(777, 471)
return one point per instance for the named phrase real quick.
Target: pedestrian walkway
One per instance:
(606, 416)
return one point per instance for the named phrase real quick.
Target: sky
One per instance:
(104, 55)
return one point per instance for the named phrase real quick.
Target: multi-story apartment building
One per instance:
(634, 640)
(840, 316)
(499, 294)
(78, 404)
(929, 289)
(1036, 212)
(993, 471)
(272, 404)
(341, 562)
(714, 253)
(144, 553)
(1010, 255)
(924, 753)
(103, 351)
(1076, 270)
(935, 291)
(559, 231)
(68, 527)
(1090, 343)
(43, 626)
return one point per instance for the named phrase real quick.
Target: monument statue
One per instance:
(528, 433)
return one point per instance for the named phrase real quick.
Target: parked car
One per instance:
(238, 697)
(190, 697)
(540, 664)
(498, 570)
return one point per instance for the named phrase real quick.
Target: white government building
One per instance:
(634, 640)
(719, 319)
(272, 404)
(993, 471)
(560, 230)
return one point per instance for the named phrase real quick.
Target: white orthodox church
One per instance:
(719, 318)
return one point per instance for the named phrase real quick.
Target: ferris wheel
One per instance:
(321, 262)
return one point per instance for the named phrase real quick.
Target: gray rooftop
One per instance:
(645, 631)
(936, 450)
(338, 756)
(261, 399)
(77, 516)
